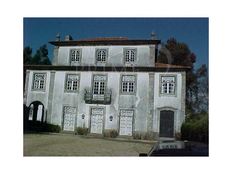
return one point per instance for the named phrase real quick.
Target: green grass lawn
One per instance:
(73, 145)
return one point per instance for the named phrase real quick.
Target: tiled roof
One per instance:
(104, 39)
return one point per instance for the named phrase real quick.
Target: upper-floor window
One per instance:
(72, 82)
(101, 55)
(128, 84)
(168, 85)
(75, 56)
(99, 84)
(129, 55)
(39, 80)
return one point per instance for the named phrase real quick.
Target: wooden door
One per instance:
(166, 123)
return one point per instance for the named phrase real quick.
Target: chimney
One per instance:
(153, 36)
(58, 37)
(68, 38)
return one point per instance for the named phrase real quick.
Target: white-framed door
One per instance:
(126, 122)
(69, 117)
(97, 118)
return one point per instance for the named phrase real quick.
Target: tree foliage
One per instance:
(27, 55)
(196, 128)
(180, 54)
(40, 57)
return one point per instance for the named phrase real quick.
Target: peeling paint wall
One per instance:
(115, 55)
(139, 102)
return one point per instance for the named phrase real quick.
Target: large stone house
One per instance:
(107, 84)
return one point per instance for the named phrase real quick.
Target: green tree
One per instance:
(27, 55)
(41, 56)
(180, 54)
(202, 99)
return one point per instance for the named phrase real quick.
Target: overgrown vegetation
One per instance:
(112, 133)
(144, 136)
(196, 128)
(81, 131)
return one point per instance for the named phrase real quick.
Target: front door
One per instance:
(126, 120)
(69, 118)
(97, 120)
(166, 123)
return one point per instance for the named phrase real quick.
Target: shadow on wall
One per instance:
(32, 124)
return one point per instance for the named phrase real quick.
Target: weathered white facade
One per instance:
(108, 85)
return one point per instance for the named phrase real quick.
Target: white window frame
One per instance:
(128, 84)
(75, 56)
(130, 55)
(101, 55)
(39, 84)
(99, 84)
(72, 82)
(168, 85)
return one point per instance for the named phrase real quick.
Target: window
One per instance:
(72, 82)
(101, 55)
(128, 84)
(75, 56)
(168, 85)
(99, 85)
(129, 55)
(39, 81)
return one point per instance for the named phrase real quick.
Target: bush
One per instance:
(137, 136)
(196, 129)
(81, 131)
(52, 128)
(112, 133)
(144, 135)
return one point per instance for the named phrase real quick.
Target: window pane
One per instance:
(95, 89)
(131, 87)
(41, 84)
(77, 55)
(127, 57)
(75, 85)
(132, 58)
(124, 87)
(102, 87)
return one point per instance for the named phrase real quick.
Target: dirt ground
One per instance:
(73, 145)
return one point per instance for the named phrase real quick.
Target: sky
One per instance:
(192, 31)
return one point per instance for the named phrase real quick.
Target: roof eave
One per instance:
(104, 42)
